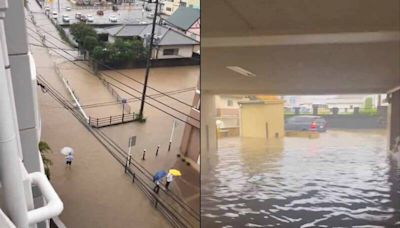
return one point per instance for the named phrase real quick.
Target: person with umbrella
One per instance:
(170, 177)
(68, 151)
(157, 179)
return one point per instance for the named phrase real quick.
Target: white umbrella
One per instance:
(67, 150)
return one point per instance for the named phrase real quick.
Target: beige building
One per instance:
(262, 119)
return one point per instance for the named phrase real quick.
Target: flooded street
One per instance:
(343, 178)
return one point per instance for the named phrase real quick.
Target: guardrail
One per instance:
(112, 120)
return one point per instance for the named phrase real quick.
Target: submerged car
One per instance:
(113, 18)
(83, 18)
(54, 15)
(90, 18)
(306, 123)
(65, 18)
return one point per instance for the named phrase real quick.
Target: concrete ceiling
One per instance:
(301, 46)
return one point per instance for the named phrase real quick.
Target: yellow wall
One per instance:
(254, 116)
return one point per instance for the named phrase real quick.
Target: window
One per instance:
(171, 51)
(168, 9)
(229, 103)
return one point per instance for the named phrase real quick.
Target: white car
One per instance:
(90, 18)
(113, 18)
(65, 18)
(68, 8)
(54, 15)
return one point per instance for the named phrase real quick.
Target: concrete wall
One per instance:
(24, 84)
(183, 52)
(262, 120)
(354, 121)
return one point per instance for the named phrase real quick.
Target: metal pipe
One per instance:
(54, 205)
(10, 171)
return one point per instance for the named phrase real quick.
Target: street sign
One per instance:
(124, 101)
(132, 141)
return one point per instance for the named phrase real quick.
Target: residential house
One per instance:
(169, 44)
(168, 7)
(187, 20)
(262, 118)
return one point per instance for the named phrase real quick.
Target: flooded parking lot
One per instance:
(344, 178)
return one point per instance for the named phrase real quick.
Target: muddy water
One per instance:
(341, 179)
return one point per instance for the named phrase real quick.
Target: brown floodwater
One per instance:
(344, 178)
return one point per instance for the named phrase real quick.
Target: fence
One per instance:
(112, 120)
(113, 92)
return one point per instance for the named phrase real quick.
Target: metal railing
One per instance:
(113, 92)
(112, 120)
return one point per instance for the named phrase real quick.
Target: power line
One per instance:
(188, 116)
(61, 99)
(138, 97)
(131, 100)
(127, 76)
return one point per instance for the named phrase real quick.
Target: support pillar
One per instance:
(208, 131)
(394, 117)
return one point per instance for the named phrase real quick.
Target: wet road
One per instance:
(341, 179)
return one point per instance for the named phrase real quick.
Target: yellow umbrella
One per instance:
(175, 172)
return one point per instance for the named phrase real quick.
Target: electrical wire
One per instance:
(188, 116)
(127, 76)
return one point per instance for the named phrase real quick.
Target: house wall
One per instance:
(255, 117)
(184, 52)
(194, 31)
(172, 4)
(111, 39)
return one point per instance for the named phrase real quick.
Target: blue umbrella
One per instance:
(159, 174)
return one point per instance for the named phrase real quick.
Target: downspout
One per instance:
(10, 171)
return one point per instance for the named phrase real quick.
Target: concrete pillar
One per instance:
(208, 130)
(394, 117)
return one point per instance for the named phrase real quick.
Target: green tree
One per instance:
(90, 42)
(82, 30)
(44, 149)
(368, 103)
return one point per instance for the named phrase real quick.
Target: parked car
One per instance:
(90, 18)
(46, 10)
(113, 18)
(54, 15)
(83, 18)
(147, 8)
(68, 8)
(65, 18)
(100, 12)
(78, 16)
(150, 15)
(306, 123)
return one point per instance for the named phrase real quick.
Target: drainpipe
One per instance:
(10, 171)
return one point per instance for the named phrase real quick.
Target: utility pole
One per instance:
(58, 2)
(148, 63)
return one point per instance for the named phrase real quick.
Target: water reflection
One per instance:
(341, 179)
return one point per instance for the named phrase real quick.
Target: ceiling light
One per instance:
(241, 71)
